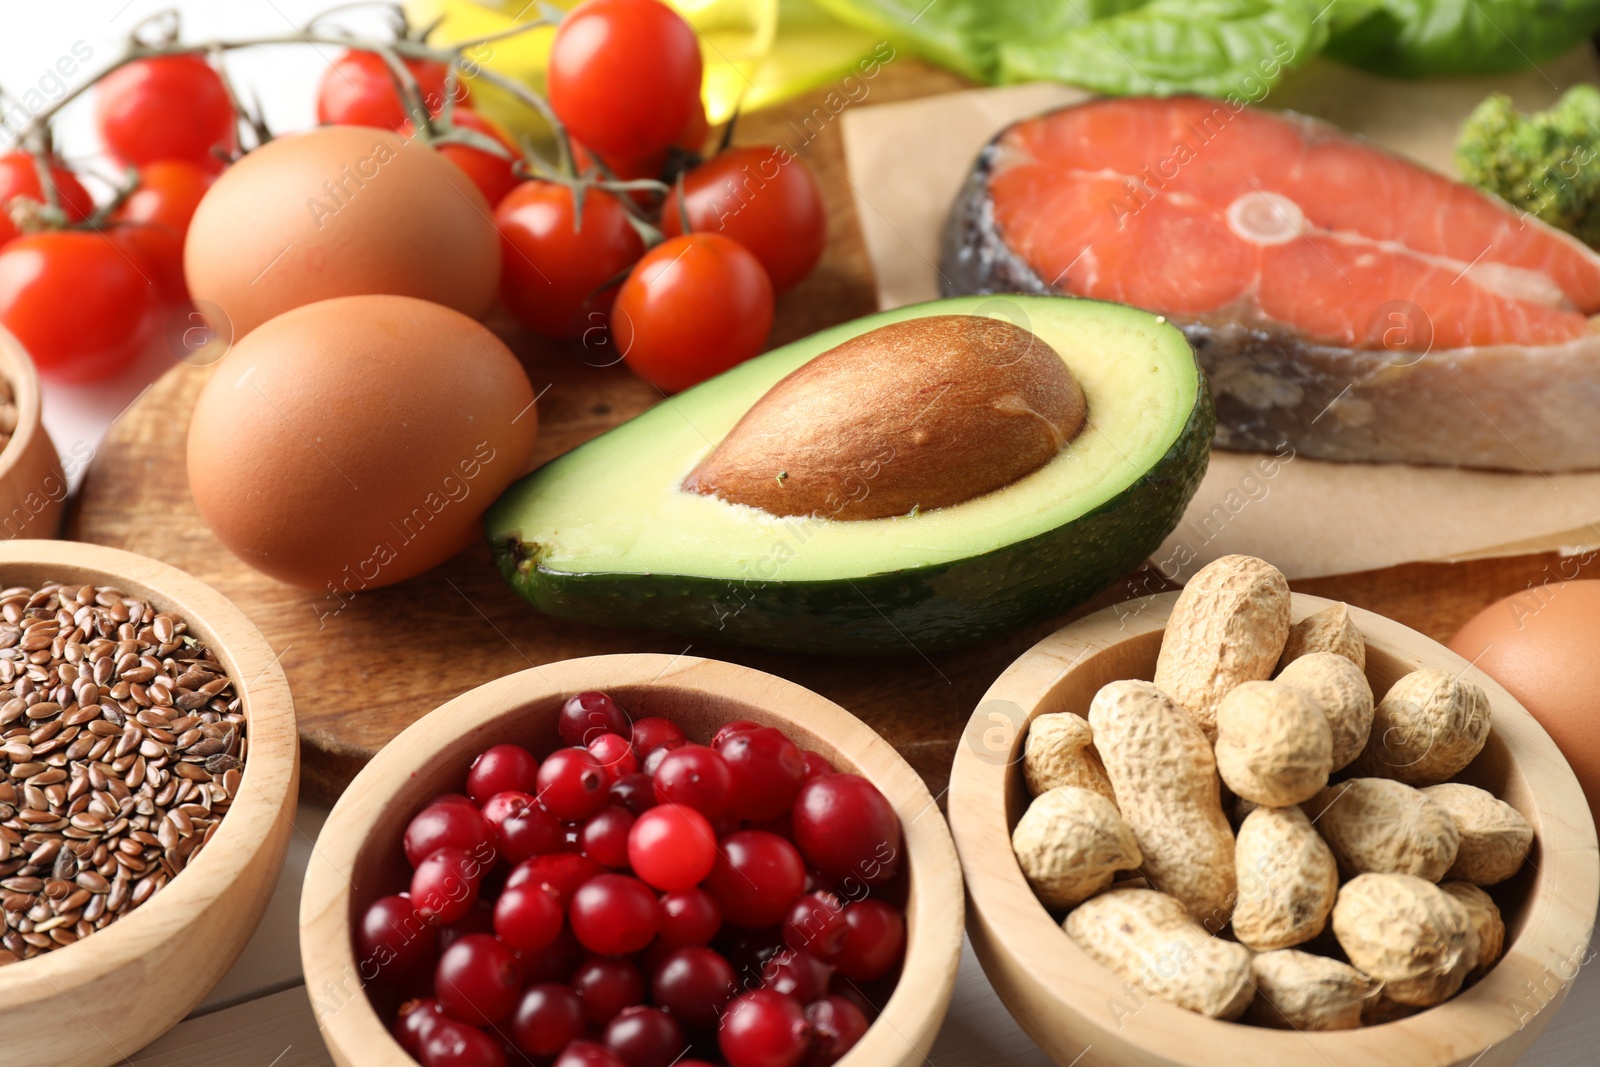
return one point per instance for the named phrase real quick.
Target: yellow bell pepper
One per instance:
(757, 52)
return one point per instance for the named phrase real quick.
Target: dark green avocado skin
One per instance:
(895, 612)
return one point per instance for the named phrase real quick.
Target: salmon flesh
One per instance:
(1343, 301)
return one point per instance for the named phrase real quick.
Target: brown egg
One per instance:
(340, 211)
(356, 442)
(1543, 645)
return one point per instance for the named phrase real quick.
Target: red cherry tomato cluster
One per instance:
(170, 118)
(624, 78)
(638, 900)
(358, 89)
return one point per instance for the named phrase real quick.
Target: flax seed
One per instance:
(121, 747)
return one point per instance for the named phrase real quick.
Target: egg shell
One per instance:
(1543, 645)
(356, 442)
(340, 211)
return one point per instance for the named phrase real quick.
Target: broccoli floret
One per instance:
(1546, 163)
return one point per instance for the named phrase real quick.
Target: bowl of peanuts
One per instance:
(148, 775)
(1242, 827)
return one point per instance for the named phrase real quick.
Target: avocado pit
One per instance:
(912, 416)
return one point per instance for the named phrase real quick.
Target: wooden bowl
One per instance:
(97, 1002)
(358, 855)
(1068, 1003)
(33, 489)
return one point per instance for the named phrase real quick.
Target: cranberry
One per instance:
(764, 1029)
(452, 798)
(797, 974)
(693, 984)
(730, 730)
(509, 1049)
(816, 924)
(874, 943)
(562, 871)
(478, 920)
(532, 831)
(654, 732)
(672, 846)
(767, 771)
(836, 1025)
(548, 1016)
(453, 1044)
(816, 764)
(645, 1037)
(696, 776)
(613, 915)
(571, 784)
(392, 942)
(445, 885)
(590, 714)
(528, 917)
(500, 769)
(749, 950)
(687, 917)
(555, 962)
(445, 826)
(606, 986)
(636, 792)
(845, 989)
(756, 878)
(604, 838)
(614, 754)
(780, 826)
(500, 807)
(477, 980)
(652, 763)
(588, 1054)
(414, 1021)
(846, 828)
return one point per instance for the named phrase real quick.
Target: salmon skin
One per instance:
(1342, 300)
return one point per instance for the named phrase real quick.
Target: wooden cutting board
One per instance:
(362, 673)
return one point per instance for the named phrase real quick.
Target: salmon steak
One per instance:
(1343, 301)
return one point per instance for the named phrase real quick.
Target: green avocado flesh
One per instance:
(605, 534)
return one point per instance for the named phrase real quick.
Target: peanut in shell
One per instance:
(1165, 777)
(1228, 626)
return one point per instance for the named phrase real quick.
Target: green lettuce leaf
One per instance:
(1215, 47)
(966, 35)
(1417, 38)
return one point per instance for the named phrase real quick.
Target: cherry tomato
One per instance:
(766, 199)
(623, 170)
(650, 166)
(77, 303)
(168, 107)
(624, 76)
(492, 174)
(8, 229)
(358, 89)
(692, 137)
(156, 217)
(19, 176)
(552, 266)
(694, 306)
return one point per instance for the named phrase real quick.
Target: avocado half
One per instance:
(605, 534)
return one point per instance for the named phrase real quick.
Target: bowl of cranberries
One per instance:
(633, 861)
